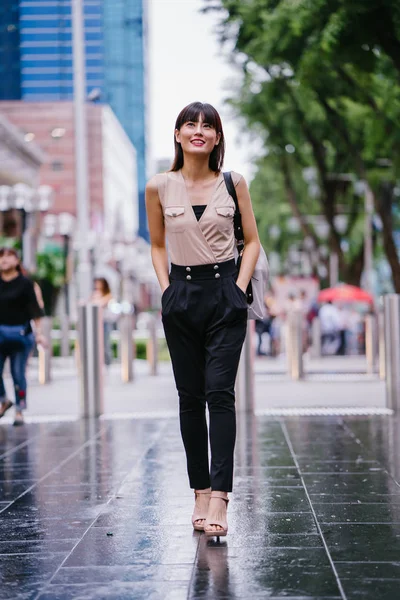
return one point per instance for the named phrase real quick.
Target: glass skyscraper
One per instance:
(125, 36)
(36, 61)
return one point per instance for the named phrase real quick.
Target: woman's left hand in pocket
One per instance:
(241, 287)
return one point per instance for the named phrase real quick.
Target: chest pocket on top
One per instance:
(174, 218)
(225, 217)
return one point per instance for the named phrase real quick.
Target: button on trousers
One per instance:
(205, 320)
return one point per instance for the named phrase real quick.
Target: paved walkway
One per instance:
(332, 384)
(101, 510)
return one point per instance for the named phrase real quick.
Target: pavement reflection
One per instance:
(95, 510)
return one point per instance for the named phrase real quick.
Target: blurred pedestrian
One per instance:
(354, 331)
(18, 307)
(329, 320)
(343, 329)
(204, 304)
(263, 326)
(102, 296)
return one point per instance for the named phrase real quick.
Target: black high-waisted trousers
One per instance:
(204, 314)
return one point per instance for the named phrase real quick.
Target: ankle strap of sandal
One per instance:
(219, 495)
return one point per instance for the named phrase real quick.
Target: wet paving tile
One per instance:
(134, 573)
(234, 595)
(22, 576)
(238, 558)
(357, 513)
(289, 523)
(10, 490)
(281, 580)
(263, 541)
(130, 544)
(36, 546)
(363, 542)
(102, 506)
(370, 580)
(378, 483)
(31, 529)
(308, 467)
(370, 589)
(156, 590)
(276, 459)
(369, 570)
(18, 473)
(284, 500)
(356, 497)
(269, 473)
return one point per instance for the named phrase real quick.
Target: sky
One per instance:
(186, 64)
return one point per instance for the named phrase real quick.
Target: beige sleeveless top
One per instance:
(192, 242)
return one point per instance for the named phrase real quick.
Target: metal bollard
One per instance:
(316, 347)
(126, 347)
(381, 330)
(64, 330)
(371, 342)
(295, 344)
(91, 349)
(245, 376)
(45, 353)
(392, 350)
(152, 347)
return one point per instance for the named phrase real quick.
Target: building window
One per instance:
(57, 165)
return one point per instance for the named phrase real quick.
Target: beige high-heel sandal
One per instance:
(222, 523)
(198, 514)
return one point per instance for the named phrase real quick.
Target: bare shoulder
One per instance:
(155, 182)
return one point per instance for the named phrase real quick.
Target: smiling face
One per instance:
(197, 137)
(198, 132)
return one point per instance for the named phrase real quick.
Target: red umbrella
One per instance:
(345, 293)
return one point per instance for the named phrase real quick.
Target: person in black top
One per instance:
(18, 306)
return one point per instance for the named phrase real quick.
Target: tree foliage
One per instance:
(322, 87)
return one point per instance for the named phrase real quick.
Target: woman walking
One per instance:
(204, 305)
(18, 306)
(102, 296)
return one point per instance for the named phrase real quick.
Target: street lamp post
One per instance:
(81, 158)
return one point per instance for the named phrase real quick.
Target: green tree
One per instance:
(325, 74)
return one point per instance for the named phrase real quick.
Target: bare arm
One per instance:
(39, 295)
(250, 233)
(155, 219)
(40, 339)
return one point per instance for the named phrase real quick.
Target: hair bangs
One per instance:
(194, 111)
(9, 251)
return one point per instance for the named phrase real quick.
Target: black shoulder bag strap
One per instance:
(237, 226)
(237, 218)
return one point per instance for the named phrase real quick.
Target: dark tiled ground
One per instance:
(102, 510)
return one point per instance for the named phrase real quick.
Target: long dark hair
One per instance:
(210, 115)
(105, 286)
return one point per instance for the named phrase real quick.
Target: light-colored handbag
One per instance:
(258, 284)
